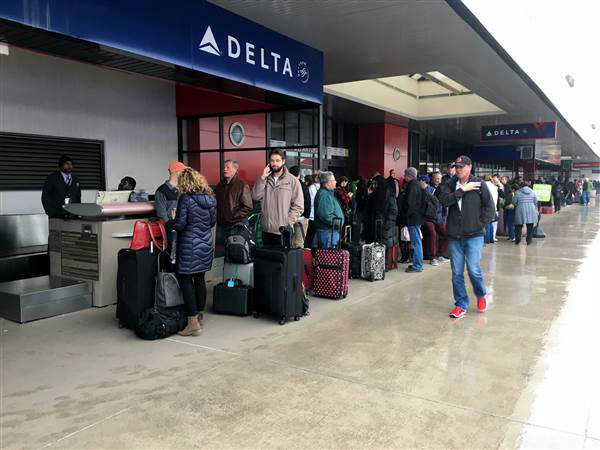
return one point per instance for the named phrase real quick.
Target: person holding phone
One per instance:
(470, 209)
(281, 198)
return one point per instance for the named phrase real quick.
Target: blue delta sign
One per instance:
(190, 33)
(523, 131)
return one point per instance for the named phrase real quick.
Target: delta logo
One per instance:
(506, 132)
(248, 53)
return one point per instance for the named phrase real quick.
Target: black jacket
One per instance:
(196, 215)
(381, 207)
(55, 191)
(411, 204)
(307, 203)
(477, 209)
(508, 195)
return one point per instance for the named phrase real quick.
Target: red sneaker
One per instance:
(457, 313)
(481, 304)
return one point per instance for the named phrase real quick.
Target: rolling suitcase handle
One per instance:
(339, 244)
(348, 233)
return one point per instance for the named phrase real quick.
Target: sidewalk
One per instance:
(383, 368)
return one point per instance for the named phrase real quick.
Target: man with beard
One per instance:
(61, 188)
(281, 197)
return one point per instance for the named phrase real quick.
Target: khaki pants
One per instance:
(299, 232)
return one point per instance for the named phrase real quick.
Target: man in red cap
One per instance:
(470, 209)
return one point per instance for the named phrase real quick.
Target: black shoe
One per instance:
(404, 260)
(517, 241)
(411, 269)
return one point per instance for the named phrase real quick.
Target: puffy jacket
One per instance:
(327, 209)
(477, 208)
(525, 206)
(282, 202)
(387, 213)
(196, 215)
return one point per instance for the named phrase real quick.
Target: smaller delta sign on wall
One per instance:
(522, 131)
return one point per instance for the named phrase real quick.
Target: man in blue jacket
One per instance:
(470, 209)
(328, 212)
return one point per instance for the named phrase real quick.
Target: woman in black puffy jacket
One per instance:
(195, 216)
(381, 207)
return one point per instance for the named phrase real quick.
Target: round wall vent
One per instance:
(236, 134)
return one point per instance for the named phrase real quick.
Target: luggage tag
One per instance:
(230, 283)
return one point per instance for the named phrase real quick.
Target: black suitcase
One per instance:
(135, 284)
(355, 250)
(278, 283)
(235, 300)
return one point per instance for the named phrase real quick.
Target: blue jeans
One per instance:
(489, 233)
(325, 239)
(466, 250)
(509, 222)
(586, 197)
(415, 240)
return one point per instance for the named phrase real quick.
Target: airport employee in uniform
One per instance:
(61, 188)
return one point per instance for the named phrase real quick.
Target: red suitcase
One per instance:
(331, 271)
(307, 269)
(391, 257)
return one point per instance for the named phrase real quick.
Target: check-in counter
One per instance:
(86, 248)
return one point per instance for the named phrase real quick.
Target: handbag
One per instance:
(147, 231)
(404, 234)
(167, 292)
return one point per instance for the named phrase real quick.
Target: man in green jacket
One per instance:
(328, 212)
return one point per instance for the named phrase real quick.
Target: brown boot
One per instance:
(192, 328)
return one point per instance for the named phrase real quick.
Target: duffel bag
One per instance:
(159, 323)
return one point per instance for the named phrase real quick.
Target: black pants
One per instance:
(311, 232)
(271, 239)
(194, 292)
(557, 202)
(518, 229)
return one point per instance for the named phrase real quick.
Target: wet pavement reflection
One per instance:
(385, 368)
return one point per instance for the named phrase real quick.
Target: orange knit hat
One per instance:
(176, 166)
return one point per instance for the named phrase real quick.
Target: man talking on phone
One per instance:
(470, 209)
(281, 196)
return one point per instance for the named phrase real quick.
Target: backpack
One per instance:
(239, 244)
(429, 206)
(158, 322)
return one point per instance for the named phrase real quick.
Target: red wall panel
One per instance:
(370, 149)
(191, 100)
(254, 130)
(376, 145)
(395, 137)
(251, 164)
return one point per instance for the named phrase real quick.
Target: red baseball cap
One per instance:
(463, 161)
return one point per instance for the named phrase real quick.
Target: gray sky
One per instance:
(550, 39)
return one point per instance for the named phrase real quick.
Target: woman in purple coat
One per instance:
(195, 216)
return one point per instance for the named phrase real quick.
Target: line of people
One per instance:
(384, 210)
